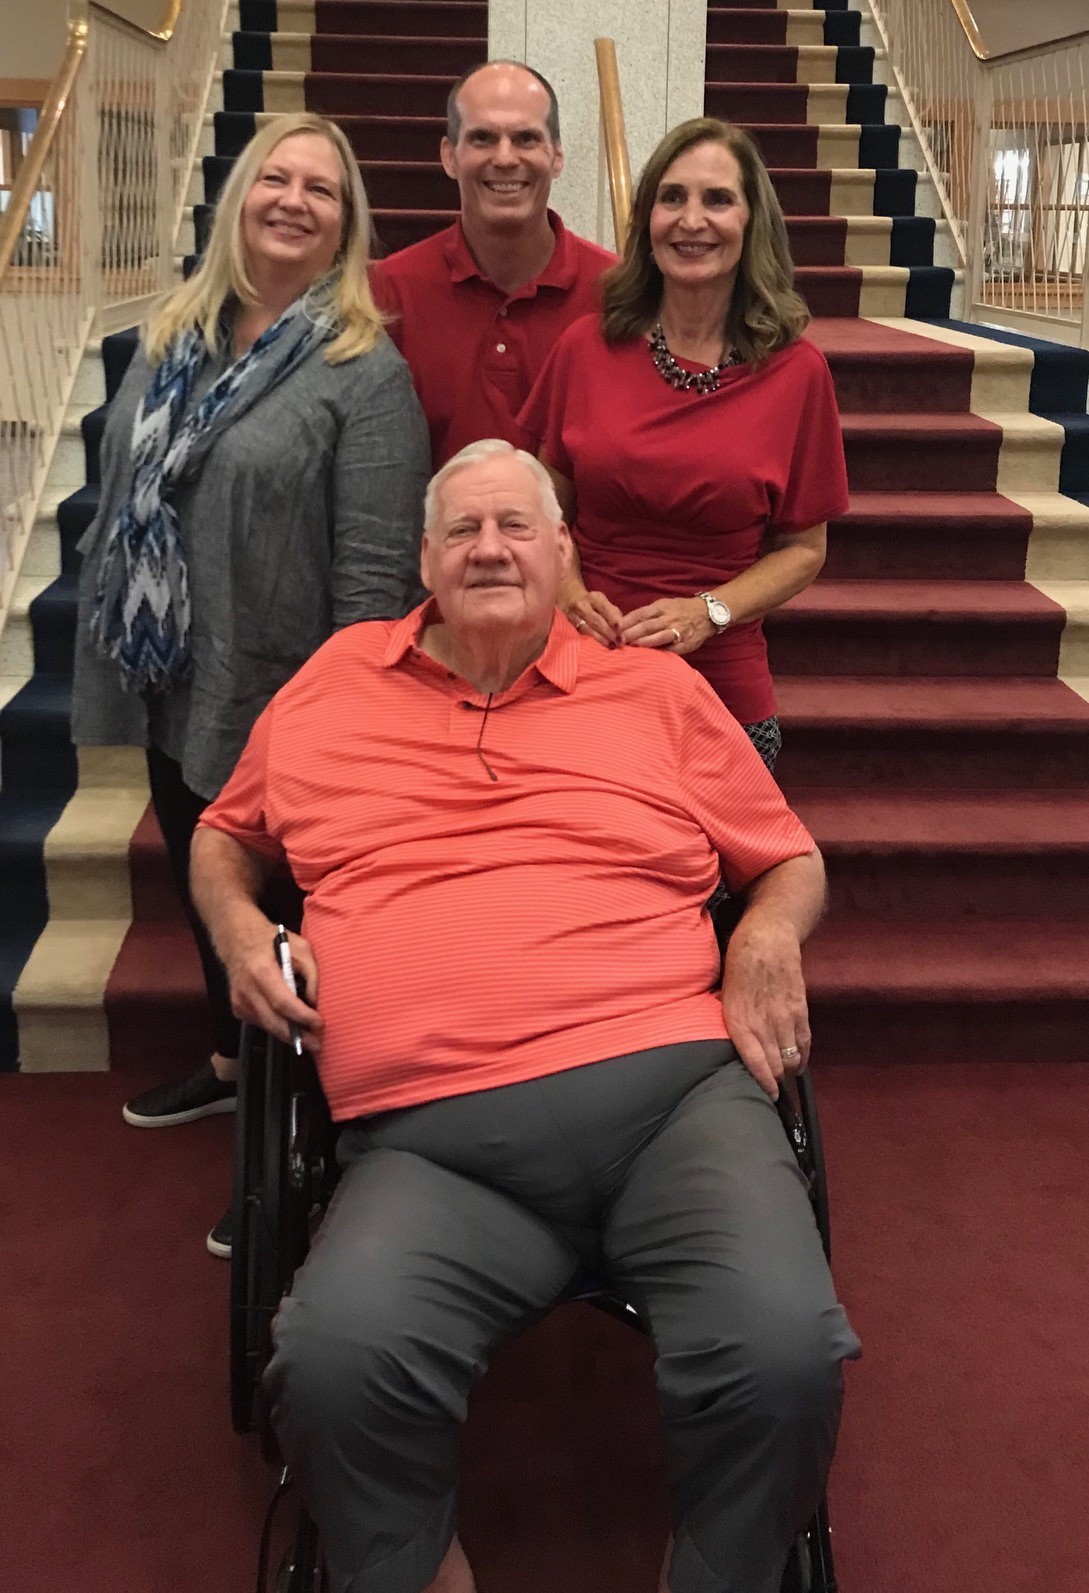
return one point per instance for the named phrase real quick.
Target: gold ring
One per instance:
(789, 1051)
(676, 632)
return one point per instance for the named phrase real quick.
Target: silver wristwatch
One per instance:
(717, 612)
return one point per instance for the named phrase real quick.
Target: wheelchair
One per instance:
(285, 1173)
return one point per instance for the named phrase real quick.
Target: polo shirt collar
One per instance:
(560, 272)
(558, 664)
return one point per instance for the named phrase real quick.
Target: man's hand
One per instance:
(763, 999)
(258, 992)
(592, 614)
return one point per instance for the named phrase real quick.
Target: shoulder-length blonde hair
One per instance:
(222, 273)
(765, 313)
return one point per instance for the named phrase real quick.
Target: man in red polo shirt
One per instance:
(477, 308)
(507, 835)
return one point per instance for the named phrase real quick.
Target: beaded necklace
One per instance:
(687, 381)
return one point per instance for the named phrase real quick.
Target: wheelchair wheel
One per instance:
(282, 1144)
(810, 1569)
(302, 1569)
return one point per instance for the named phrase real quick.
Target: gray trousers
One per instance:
(457, 1221)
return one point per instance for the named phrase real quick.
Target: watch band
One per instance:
(717, 611)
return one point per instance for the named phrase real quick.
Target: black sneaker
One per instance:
(219, 1240)
(184, 1101)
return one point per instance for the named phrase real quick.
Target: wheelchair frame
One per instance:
(285, 1171)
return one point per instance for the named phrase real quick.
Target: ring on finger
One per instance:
(676, 633)
(789, 1052)
(580, 623)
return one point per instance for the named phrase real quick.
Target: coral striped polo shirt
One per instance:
(473, 932)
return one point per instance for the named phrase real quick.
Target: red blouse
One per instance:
(677, 490)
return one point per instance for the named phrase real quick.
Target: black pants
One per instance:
(178, 809)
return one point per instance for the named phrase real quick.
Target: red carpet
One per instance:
(961, 1250)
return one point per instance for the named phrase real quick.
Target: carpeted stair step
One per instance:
(893, 453)
(788, 64)
(844, 191)
(760, 25)
(830, 146)
(74, 516)
(1073, 598)
(1060, 374)
(53, 623)
(936, 855)
(425, 19)
(401, 138)
(872, 290)
(892, 734)
(154, 1002)
(801, 103)
(117, 350)
(929, 536)
(36, 752)
(862, 240)
(1010, 990)
(770, 5)
(350, 53)
(92, 426)
(337, 93)
(879, 369)
(916, 628)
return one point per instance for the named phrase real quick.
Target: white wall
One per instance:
(32, 37)
(660, 50)
(1016, 24)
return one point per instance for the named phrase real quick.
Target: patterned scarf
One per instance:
(141, 615)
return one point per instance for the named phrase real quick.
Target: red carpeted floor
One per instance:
(962, 1253)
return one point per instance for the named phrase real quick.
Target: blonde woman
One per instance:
(264, 464)
(692, 433)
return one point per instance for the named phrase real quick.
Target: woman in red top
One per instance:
(692, 432)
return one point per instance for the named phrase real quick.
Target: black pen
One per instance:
(283, 956)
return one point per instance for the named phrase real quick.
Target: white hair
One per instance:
(489, 448)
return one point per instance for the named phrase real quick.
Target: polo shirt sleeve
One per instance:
(729, 792)
(241, 808)
(542, 415)
(388, 299)
(816, 483)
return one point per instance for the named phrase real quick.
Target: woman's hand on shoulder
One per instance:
(676, 624)
(592, 614)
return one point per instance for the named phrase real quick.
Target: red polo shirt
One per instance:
(474, 351)
(473, 932)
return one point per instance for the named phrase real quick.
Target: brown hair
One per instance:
(765, 312)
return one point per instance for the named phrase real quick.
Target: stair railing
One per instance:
(87, 240)
(1005, 138)
(614, 139)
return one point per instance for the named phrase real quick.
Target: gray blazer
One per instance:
(305, 516)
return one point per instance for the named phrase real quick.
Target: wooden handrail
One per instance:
(982, 53)
(26, 182)
(616, 138)
(971, 28)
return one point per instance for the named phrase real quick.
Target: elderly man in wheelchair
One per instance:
(507, 836)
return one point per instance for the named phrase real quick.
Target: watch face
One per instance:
(718, 611)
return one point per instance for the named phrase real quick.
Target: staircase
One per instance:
(930, 742)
